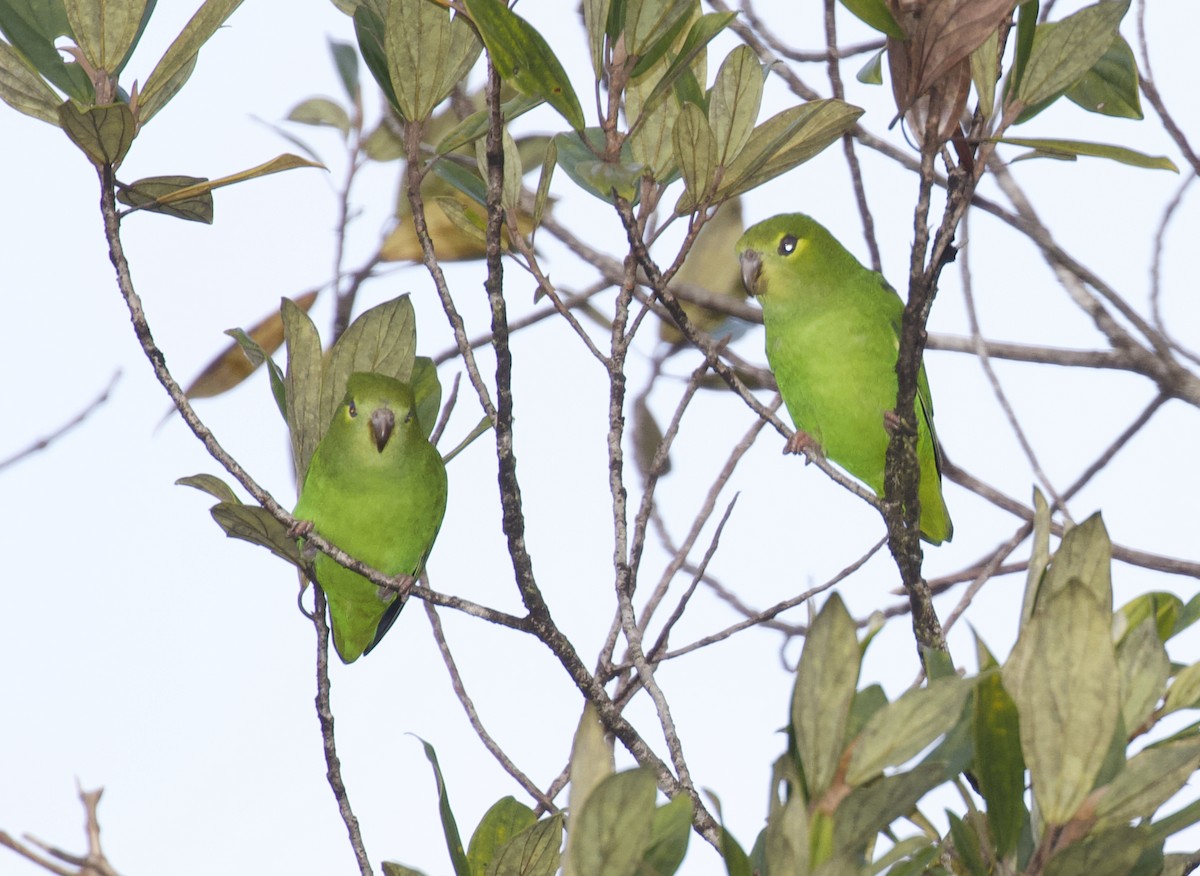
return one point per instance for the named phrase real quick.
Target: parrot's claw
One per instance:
(802, 442)
(300, 529)
(895, 425)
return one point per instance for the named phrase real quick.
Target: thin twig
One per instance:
(489, 742)
(46, 441)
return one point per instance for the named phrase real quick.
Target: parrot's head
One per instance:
(375, 406)
(779, 245)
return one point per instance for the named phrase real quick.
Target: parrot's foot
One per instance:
(300, 529)
(802, 442)
(895, 425)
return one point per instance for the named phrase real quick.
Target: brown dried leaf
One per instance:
(231, 367)
(942, 34)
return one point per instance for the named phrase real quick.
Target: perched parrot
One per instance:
(376, 488)
(833, 335)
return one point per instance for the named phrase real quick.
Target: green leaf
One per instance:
(256, 525)
(1150, 778)
(427, 393)
(735, 101)
(1039, 556)
(703, 31)
(985, 67)
(23, 89)
(659, 24)
(107, 30)
(871, 73)
(502, 822)
(877, 15)
(427, 52)
(1111, 853)
(345, 61)
(1063, 51)
(148, 194)
(784, 141)
(826, 679)
(599, 178)
(650, 28)
(303, 384)
(1111, 86)
(510, 196)
(1188, 615)
(649, 141)
(595, 21)
(475, 125)
(370, 29)
(32, 26)
(449, 827)
(591, 759)
(321, 111)
(532, 852)
(524, 58)
(177, 63)
(900, 730)
(867, 702)
(1063, 676)
(966, 845)
(542, 197)
(1084, 556)
(870, 808)
(382, 340)
(1071, 148)
(1144, 667)
(670, 831)
(1184, 692)
(104, 133)
(786, 840)
(391, 868)
(736, 862)
(695, 152)
(212, 485)
(611, 834)
(999, 766)
(1166, 608)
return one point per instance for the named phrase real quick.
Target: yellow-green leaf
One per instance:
(695, 152)
(1071, 148)
(428, 53)
(280, 163)
(611, 833)
(826, 679)
(383, 340)
(736, 98)
(1111, 86)
(1065, 682)
(321, 111)
(302, 383)
(179, 59)
(105, 30)
(23, 89)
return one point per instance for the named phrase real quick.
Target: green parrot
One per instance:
(833, 335)
(376, 488)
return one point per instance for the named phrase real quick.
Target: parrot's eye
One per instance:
(351, 409)
(787, 246)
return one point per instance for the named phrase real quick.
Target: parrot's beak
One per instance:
(751, 270)
(383, 421)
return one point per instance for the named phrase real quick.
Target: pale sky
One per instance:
(147, 653)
